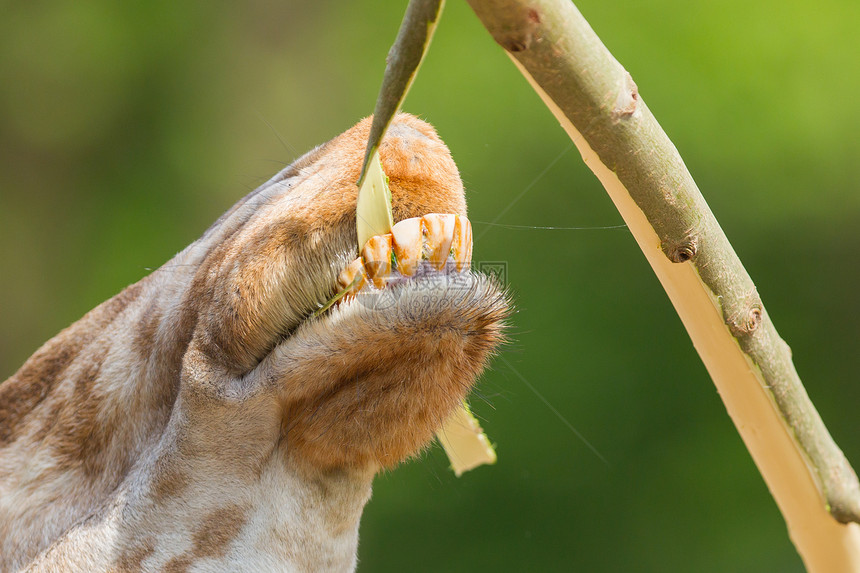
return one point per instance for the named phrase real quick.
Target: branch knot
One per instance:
(682, 251)
(628, 98)
(748, 317)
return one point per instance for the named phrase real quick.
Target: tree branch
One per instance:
(404, 58)
(599, 106)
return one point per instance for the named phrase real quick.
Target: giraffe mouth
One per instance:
(435, 246)
(421, 270)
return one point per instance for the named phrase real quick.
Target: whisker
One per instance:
(540, 228)
(284, 142)
(484, 398)
(554, 411)
(528, 187)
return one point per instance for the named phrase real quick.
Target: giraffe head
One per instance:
(210, 413)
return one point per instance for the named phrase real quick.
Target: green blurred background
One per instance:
(126, 128)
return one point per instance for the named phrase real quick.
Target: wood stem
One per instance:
(599, 105)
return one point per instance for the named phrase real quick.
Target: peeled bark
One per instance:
(598, 104)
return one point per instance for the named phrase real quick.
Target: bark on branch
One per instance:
(599, 105)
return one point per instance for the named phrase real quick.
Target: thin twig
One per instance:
(402, 64)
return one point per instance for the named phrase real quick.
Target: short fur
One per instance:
(201, 421)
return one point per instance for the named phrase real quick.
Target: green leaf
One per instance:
(373, 211)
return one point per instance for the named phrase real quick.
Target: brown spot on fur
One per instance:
(178, 564)
(20, 394)
(27, 388)
(169, 483)
(113, 306)
(78, 438)
(53, 407)
(131, 560)
(147, 330)
(163, 357)
(218, 530)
